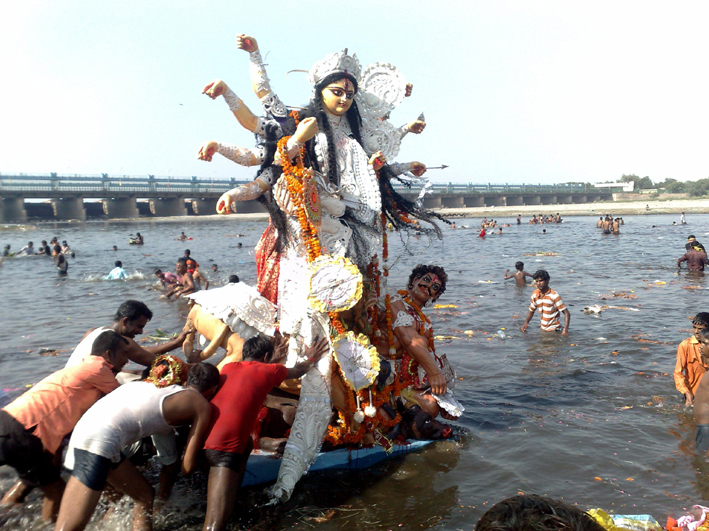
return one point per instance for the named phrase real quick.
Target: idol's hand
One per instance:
(409, 90)
(224, 203)
(418, 168)
(306, 130)
(377, 160)
(438, 383)
(207, 151)
(282, 197)
(246, 43)
(215, 89)
(417, 126)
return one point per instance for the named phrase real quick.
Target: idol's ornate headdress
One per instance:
(335, 63)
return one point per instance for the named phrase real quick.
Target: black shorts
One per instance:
(230, 460)
(702, 441)
(25, 452)
(92, 469)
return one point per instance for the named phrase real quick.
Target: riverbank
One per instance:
(616, 208)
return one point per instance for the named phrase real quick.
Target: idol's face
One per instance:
(338, 96)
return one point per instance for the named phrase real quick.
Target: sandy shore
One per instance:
(619, 208)
(628, 208)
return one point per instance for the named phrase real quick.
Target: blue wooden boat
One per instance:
(262, 467)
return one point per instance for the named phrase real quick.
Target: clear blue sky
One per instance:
(512, 91)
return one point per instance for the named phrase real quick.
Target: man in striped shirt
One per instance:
(549, 303)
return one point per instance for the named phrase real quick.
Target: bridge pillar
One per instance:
(548, 199)
(474, 201)
(515, 200)
(204, 207)
(12, 210)
(432, 201)
(246, 207)
(120, 207)
(69, 208)
(165, 207)
(495, 200)
(453, 202)
(565, 199)
(532, 200)
(580, 199)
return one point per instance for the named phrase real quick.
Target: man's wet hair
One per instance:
(107, 340)
(157, 271)
(691, 237)
(133, 310)
(187, 252)
(420, 270)
(233, 279)
(702, 318)
(541, 275)
(202, 376)
(118, 263)
(531, 512)
(519, 266)
(257, 347)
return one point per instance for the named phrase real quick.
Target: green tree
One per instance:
(640, 183)
(673, 186)
(698, 188)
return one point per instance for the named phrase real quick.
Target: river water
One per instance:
(592, 418)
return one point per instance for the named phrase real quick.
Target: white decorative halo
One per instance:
(381, 136)
(381, 89)
(335, 284)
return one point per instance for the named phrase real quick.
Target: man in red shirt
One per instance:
(33, 426)
(235, 407)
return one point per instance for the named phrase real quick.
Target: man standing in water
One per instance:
(229, 443)
(690, 365)
(550, 304)
(696, 258)
(701, 399)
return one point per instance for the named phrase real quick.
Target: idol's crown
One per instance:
(335, 63)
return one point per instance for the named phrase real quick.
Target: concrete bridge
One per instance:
(68, 197)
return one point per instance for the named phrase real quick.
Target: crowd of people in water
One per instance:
(107, 436)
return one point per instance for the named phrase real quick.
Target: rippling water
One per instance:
(592, 418)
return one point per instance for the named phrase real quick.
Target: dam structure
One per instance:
(80, 197)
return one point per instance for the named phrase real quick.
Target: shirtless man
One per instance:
(616, 226)
(186, 284)
(520, 275)
(132, 412)
(606, 225)
(599, 223)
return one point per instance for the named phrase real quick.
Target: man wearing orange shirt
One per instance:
(690, 365)
(32, 426)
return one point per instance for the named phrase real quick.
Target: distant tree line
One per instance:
(671, 186)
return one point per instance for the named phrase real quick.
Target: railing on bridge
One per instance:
(55, 183)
